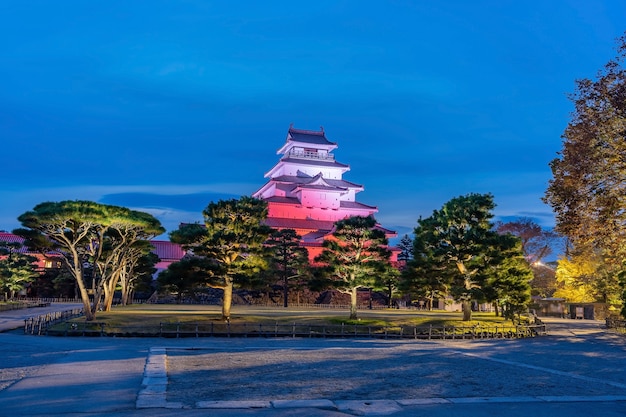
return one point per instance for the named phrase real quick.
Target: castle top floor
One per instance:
(307, 144)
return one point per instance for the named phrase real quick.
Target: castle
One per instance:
(306, 191)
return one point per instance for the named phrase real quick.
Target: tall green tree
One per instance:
(457, 243)
(425, 276)
(73, 229)
(232, 239)
(287, 258)
(125, 241)
(507, 276)
(88, 236)
(587, 187)
(354, 257)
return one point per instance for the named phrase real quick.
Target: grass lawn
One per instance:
(152, 315)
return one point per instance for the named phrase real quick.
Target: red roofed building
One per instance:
(167, 252)
(49, 260)
(306, 191)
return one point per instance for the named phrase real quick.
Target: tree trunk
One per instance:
(84, 296)
(109, 293)
(228, 298)
(97, 300)
(285, 289)
(126, 295)
(353, 299)
(467, 310)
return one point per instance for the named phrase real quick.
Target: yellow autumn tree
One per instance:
(575, 277)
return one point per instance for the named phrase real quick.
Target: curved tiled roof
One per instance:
(11, 238)
(328, 188)
(309, 136)
(357, 205)
(285, 223)
(293, 179)
(283, 200)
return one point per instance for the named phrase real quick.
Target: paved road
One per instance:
(579, 370)
(13, 319)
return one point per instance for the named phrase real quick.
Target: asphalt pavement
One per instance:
(579, 369)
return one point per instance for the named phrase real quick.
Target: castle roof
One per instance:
(316, 162)
(11, 238)
(300, 179)
(308, 136)
(282, 200)
(356, 205)
(287, 223)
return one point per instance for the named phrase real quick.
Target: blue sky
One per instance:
(164, 106)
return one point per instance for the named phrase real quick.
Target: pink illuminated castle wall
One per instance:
(306, 191)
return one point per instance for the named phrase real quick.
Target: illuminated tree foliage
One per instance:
(126, 241)
(457, 251)
(574, 277)
(589, 175)
(232, 240)
(88, 237)
(355, 257)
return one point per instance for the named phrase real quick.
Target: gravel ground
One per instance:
(406, 371)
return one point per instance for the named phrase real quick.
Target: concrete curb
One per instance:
(154, 391)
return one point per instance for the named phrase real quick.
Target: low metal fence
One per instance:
(300, 330)
(38, 325)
